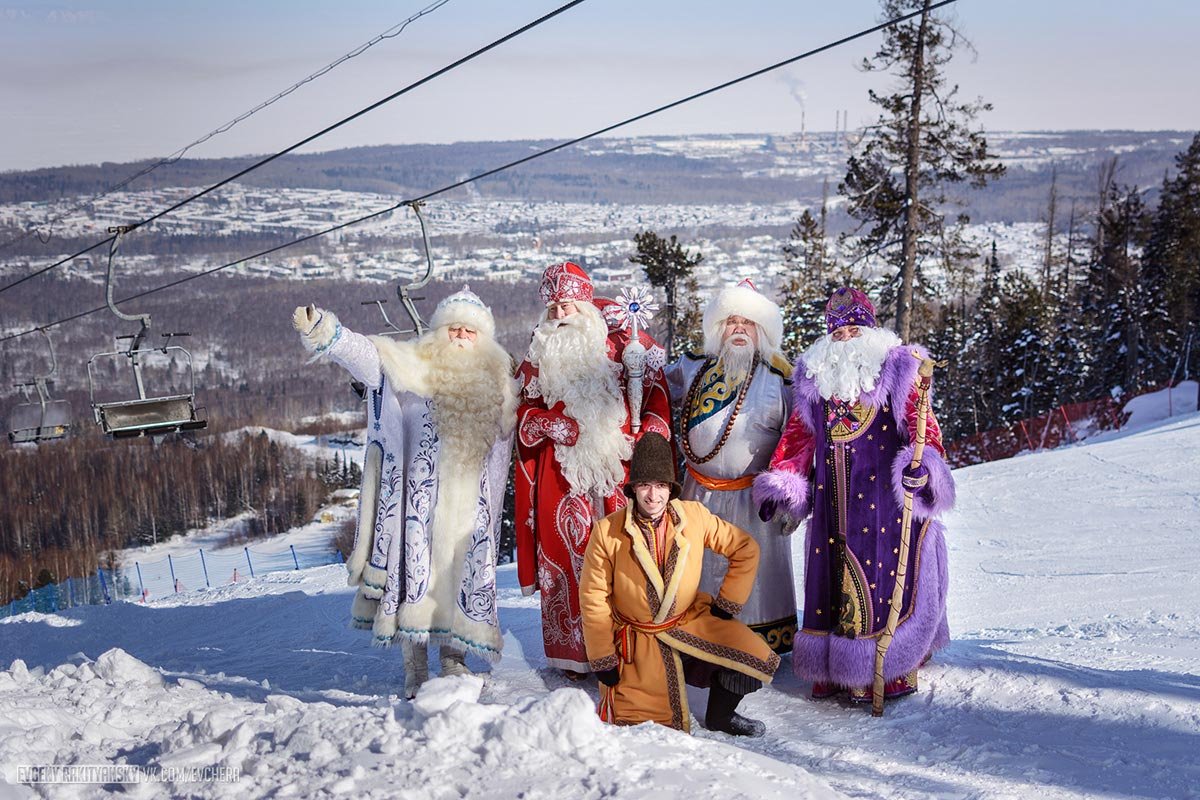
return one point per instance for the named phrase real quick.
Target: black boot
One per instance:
(721, 716)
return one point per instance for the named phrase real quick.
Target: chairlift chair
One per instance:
(43, 419)
(143, 415)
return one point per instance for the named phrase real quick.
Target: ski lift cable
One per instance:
(458, 184)
(390, 33)
(328, 129)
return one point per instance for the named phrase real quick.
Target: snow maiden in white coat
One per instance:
(440, 415)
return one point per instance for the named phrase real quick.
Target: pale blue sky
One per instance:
(90, 81)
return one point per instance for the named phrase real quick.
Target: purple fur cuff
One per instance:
(938, 494)
(788, 489)
(851, 662)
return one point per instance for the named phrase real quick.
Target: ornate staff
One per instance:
(636, 308)
(924, 379)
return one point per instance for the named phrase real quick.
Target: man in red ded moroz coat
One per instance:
(574, 442)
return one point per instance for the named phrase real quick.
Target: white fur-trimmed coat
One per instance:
(424, 557)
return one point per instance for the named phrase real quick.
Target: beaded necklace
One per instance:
(694, 390)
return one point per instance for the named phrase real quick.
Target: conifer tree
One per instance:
(1020, 315)
(1115, 296)
(808, 281)
(981, 349)
(1172, 268)
(922, 144)
(668, 265)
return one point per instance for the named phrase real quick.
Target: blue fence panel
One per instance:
(147, 580)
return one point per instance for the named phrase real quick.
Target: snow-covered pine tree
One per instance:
(1172, 270)
(921, 144)
(1115, 296)
(689, 330)
(982, 350)
(947, 340)
(809, 278)
(1022, 353)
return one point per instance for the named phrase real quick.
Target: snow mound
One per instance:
(446, 744)
(1147, 409)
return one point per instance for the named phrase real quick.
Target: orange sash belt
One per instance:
(722, 484)
(624, 643)
(624, 635)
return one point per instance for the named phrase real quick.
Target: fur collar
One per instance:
(897, 377)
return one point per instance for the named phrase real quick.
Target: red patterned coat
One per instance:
(553, 523)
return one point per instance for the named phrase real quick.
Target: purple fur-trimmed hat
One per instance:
(849, 306)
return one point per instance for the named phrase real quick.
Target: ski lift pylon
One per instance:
(142, 416)
(44, 419)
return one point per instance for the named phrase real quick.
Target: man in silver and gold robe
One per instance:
(734, 401)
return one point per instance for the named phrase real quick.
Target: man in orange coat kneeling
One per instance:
(647, 627)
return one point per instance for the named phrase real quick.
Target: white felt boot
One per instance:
(416, 666)
(453, 662)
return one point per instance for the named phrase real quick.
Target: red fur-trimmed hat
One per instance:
(565, 283)
(849, 306)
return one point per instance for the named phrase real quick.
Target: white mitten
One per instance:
(317, 327)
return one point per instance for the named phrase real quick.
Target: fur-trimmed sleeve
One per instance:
(786, 482)
(357, 354)
(938, 495)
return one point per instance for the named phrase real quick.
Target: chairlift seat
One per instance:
(149, 417)
(30, 423)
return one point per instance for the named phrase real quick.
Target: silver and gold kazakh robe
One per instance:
(744, 436)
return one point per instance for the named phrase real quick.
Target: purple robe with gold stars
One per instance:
(842, 461)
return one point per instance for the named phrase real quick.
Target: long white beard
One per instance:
(846, 370)
(573, 367)
(735, 361)
(467, 382)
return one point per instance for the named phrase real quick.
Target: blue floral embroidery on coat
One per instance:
(422, 496)
(477, 592)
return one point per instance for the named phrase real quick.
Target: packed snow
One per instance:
(1075, 617)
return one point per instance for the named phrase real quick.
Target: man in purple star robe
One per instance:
(845, 457)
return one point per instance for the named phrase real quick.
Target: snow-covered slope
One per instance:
(1073, 673)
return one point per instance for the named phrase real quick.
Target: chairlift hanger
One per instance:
(142, 416)
(46, 419)
(404, 294)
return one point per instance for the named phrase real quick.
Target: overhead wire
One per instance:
(390, 33)
(308, 139)
(503, 167)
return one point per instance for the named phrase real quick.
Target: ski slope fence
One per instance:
(1065, 424)
(1071, 422)
(139, 581)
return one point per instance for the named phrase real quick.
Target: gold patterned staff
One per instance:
(924, 379)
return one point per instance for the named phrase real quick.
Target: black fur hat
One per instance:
(653, 460)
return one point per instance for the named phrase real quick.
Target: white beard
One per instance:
(735, 361)
(571, 355)
(846, 370)
(470, 384)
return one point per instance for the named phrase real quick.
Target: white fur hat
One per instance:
(747, 301)
(464, 308)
